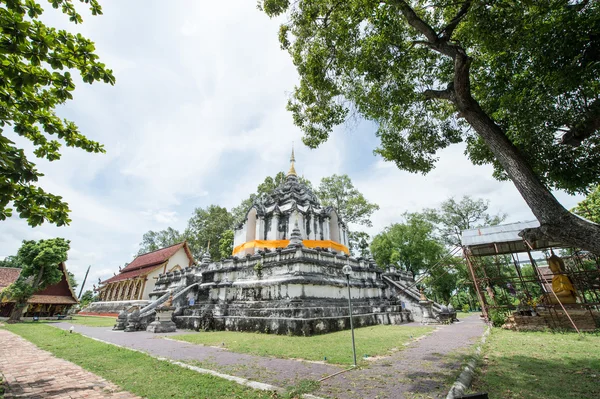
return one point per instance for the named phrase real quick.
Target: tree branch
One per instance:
(433, 39)
(588, 126)
(447, 94)
(416, 22)
(448, 30)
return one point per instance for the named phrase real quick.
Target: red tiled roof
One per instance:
(131, 274)
(8, 275)
(53, 299)
(153, 258)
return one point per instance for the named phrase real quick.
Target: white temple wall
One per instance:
(334, 228)
(239, 236)
(274, 232)
(151, 282)
(179, 258)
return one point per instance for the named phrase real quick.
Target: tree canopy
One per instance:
(208, 226)
(452, 217)
(37, 64)
(11, 261)
(154, 240)
(589, 208)
(410, 245)
(516, 81)
(40, 260)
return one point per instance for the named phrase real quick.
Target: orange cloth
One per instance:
(284, 243)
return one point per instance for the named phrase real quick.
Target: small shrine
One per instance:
(526, 285)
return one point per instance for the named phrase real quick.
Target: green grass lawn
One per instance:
(136, 372)
(336, 347)
(93, 321)
(533, 365)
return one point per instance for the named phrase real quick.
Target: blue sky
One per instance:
(198, 117)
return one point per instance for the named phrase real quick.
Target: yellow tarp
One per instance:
(284, 243)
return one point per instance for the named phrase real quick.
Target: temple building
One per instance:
(287, 275)
(269, 223)
(53, 300)
(136, 281)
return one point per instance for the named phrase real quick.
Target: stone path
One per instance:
(33, 373)
(425, 369)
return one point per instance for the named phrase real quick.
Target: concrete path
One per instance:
(278, 372)
(425, 369)
(33, 373)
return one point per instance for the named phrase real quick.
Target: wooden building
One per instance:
(54, 300)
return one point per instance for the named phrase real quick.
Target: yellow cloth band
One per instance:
(284, 243)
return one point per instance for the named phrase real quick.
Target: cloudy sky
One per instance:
(198, 117)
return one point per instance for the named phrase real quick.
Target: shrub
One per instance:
(497, 317)
(466, 308)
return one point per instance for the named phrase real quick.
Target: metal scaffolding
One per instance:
(496, 270)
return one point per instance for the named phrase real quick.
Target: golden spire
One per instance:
(292, 170)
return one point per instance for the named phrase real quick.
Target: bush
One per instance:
(497, 317)
(466, 308)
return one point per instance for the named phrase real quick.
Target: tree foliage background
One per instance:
(37, 62)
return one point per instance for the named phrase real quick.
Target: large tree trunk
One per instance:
(17, 312)
(556, 223)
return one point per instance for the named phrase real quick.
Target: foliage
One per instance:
(207, 227)
(532, 365)
(359, 243)
(226, 244)
(37, 62)
(410, 245)
(87, 298)
(40, 261)
(351, 205)
(466, 308)
(453, 217)
(72, 280)
(442, 280)
(123, 367)
(589, 208)
(497, 317)
(11, 261)
(155, 240)
(374, 341)
(392, 63)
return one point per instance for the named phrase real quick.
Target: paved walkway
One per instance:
(425, 369)
(33, 373)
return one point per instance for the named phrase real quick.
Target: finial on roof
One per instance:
(292, 171)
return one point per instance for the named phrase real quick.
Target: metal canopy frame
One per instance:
(491, 250)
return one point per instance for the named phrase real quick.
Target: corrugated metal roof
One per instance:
(502, 239)
(496, 234)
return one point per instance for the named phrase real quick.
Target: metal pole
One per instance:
(84, 280)
(351, 323)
